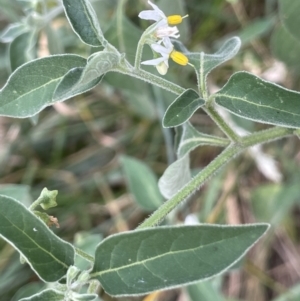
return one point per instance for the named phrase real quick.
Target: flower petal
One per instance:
(154, 62)
(160, 49)
(149, 15)
(156, 9)
(162, 68)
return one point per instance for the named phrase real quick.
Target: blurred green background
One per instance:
(76, 146)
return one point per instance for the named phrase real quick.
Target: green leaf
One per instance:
(28, 289)
(47, 254)
(70, 85)
(205, 63)
(289, 15)
(142, 183)
(143, 261)
(80, 80)
(286, 48)
(83, 20)
(251, 97)
(22, 50)
(175, 177)
(46, 295)
(182, 108)
(30, 88)
(12, 31)
(191, 138)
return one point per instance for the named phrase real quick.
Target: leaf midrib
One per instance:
(254, 104)
(34, 242)
(100, 273)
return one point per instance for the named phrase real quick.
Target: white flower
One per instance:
(161, 63)
(167, 51)
(163, 32)
(158, 15)
(167, 31)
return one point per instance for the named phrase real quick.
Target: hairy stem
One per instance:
(150, 78)
(225, 157)
(222, 124)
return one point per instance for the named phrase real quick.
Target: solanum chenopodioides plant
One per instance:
(149, 258)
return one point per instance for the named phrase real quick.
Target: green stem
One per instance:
(36, 203)
(84, 255)
(215, 116)
(225, 157)
(149, 78)
(201, 79)
(120, 14)
(140, 46)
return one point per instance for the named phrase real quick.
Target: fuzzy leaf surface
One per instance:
(80, 80)
(46, 295)
(142, 261)
(191, 139)
(182, 108)
(176, 176)
(30, 88)
(83, 20)
(204, 63)
(47, 254)
(251, 97)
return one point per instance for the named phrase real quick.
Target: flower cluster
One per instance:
(162, 33)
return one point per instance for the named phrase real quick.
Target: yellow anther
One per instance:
(175, 19)
(179, 58)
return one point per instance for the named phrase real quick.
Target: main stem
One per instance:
(225, 157)
(149, 78)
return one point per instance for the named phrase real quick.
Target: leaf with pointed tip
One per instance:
(30, 88)
(251, 97)
(205, 63)
(191, 138)
(182, 108)
(175, 177)
(47, 254)
(46, 295)
(151, 259)
(142, 183)
(83, 20)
